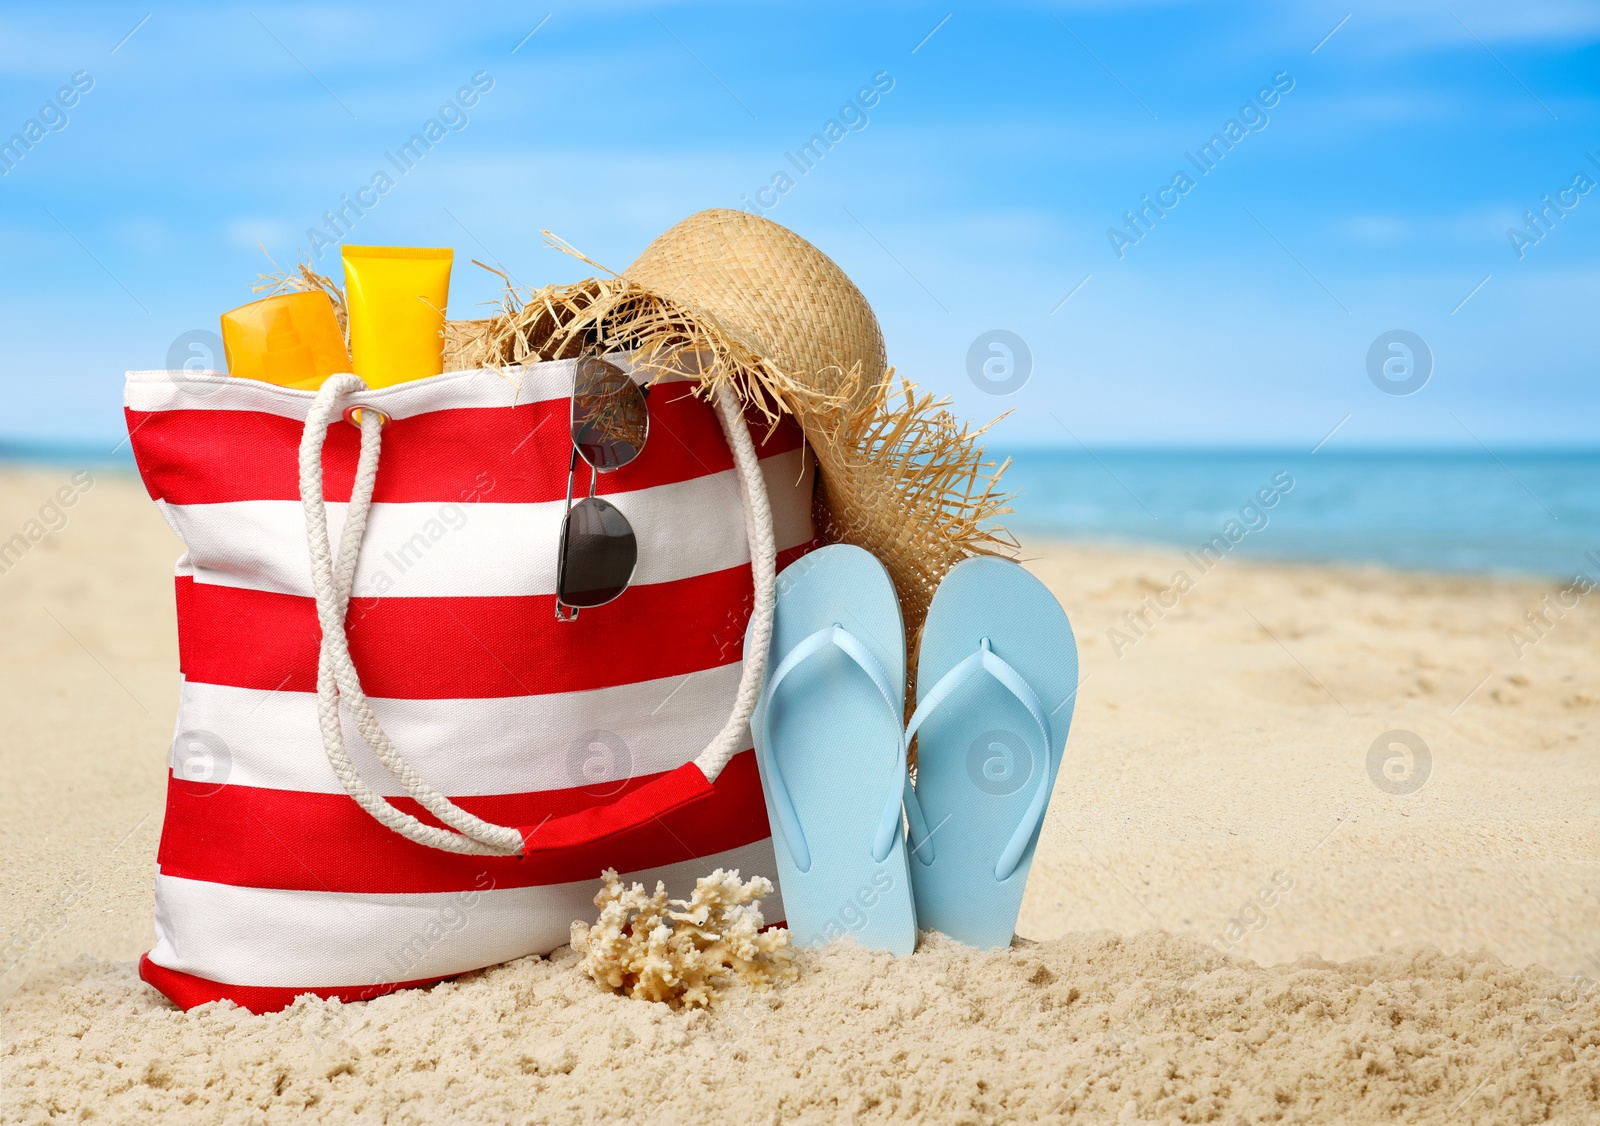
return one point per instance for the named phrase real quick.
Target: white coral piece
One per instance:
(641, 947)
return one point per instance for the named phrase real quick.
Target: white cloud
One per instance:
(1376, 230)
(250, 231)
(1450, 22)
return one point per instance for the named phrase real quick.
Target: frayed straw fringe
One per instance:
(899, 476)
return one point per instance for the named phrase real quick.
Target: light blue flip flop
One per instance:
(996, 678)
(832, 752)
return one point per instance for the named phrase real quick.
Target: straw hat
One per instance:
(772, 291)
(754, 306)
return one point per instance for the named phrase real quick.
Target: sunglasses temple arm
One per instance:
(572, 469)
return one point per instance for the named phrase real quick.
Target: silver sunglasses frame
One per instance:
(564, 611)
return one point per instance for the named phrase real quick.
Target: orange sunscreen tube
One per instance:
(292, 340)
(396, 298)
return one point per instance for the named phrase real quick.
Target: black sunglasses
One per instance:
(610, 422)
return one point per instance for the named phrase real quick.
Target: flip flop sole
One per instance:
(979, 753)
(836, 743)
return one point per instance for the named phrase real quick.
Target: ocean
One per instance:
(1509, 513)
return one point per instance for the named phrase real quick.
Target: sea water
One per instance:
(1503, 512)
(1525, 512)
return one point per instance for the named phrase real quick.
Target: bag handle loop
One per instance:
(332, 579)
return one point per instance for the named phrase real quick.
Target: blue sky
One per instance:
(1376, 194)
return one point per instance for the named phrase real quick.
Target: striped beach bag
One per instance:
(393, 763)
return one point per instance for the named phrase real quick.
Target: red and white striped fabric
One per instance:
(271, 880)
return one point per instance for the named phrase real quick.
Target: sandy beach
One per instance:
(1324, 850)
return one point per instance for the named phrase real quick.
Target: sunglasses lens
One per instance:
(609, 418)
(598, 553)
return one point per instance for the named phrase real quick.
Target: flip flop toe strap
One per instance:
(794, 837)
(1015, 683)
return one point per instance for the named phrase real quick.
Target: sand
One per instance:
(1150, 1028)
(1235, 914)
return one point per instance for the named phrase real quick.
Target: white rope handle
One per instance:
(763, 566)
(336, 673)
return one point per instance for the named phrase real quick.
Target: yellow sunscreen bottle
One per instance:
(292, 340)
(396, 296)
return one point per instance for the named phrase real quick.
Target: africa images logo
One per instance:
(1252, 118)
